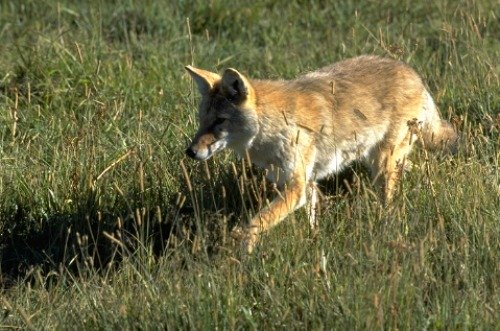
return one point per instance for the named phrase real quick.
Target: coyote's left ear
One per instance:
(205, 80)
(235, 86)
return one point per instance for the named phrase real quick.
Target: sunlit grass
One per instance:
(105, 224)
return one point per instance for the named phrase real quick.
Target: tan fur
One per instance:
(304, 129)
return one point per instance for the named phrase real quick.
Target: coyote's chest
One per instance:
(275, 156)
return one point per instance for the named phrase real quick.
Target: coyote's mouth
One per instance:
(205, 152)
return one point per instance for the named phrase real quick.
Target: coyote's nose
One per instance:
(190, 152)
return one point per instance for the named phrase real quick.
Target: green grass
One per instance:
(99, 227)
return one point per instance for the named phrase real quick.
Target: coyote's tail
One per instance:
(436, 133)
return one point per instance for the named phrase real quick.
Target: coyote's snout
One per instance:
(304, 129)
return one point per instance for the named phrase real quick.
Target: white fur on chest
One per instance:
(274, 157)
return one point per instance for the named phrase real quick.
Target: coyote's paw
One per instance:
(250, 239)
(247, 236)
(237, 233)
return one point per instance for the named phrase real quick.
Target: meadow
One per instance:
(105, 224)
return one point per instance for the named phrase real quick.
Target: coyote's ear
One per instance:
(234, 86)
(205, 80)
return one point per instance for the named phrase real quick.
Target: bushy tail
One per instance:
(436, 133)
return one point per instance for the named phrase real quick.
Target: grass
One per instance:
(101, 227)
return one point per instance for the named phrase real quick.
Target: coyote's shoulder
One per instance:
(304, 129)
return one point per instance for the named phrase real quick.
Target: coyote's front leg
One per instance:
(291, 198)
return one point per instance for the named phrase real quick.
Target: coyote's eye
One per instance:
(219, 120)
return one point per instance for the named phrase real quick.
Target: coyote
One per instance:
(300, 131)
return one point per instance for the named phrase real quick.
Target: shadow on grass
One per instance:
(96, 237)
(92, 238)
(87, 238)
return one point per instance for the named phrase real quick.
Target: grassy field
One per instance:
(100, 226)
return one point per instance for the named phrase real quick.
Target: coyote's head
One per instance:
(226, 113)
